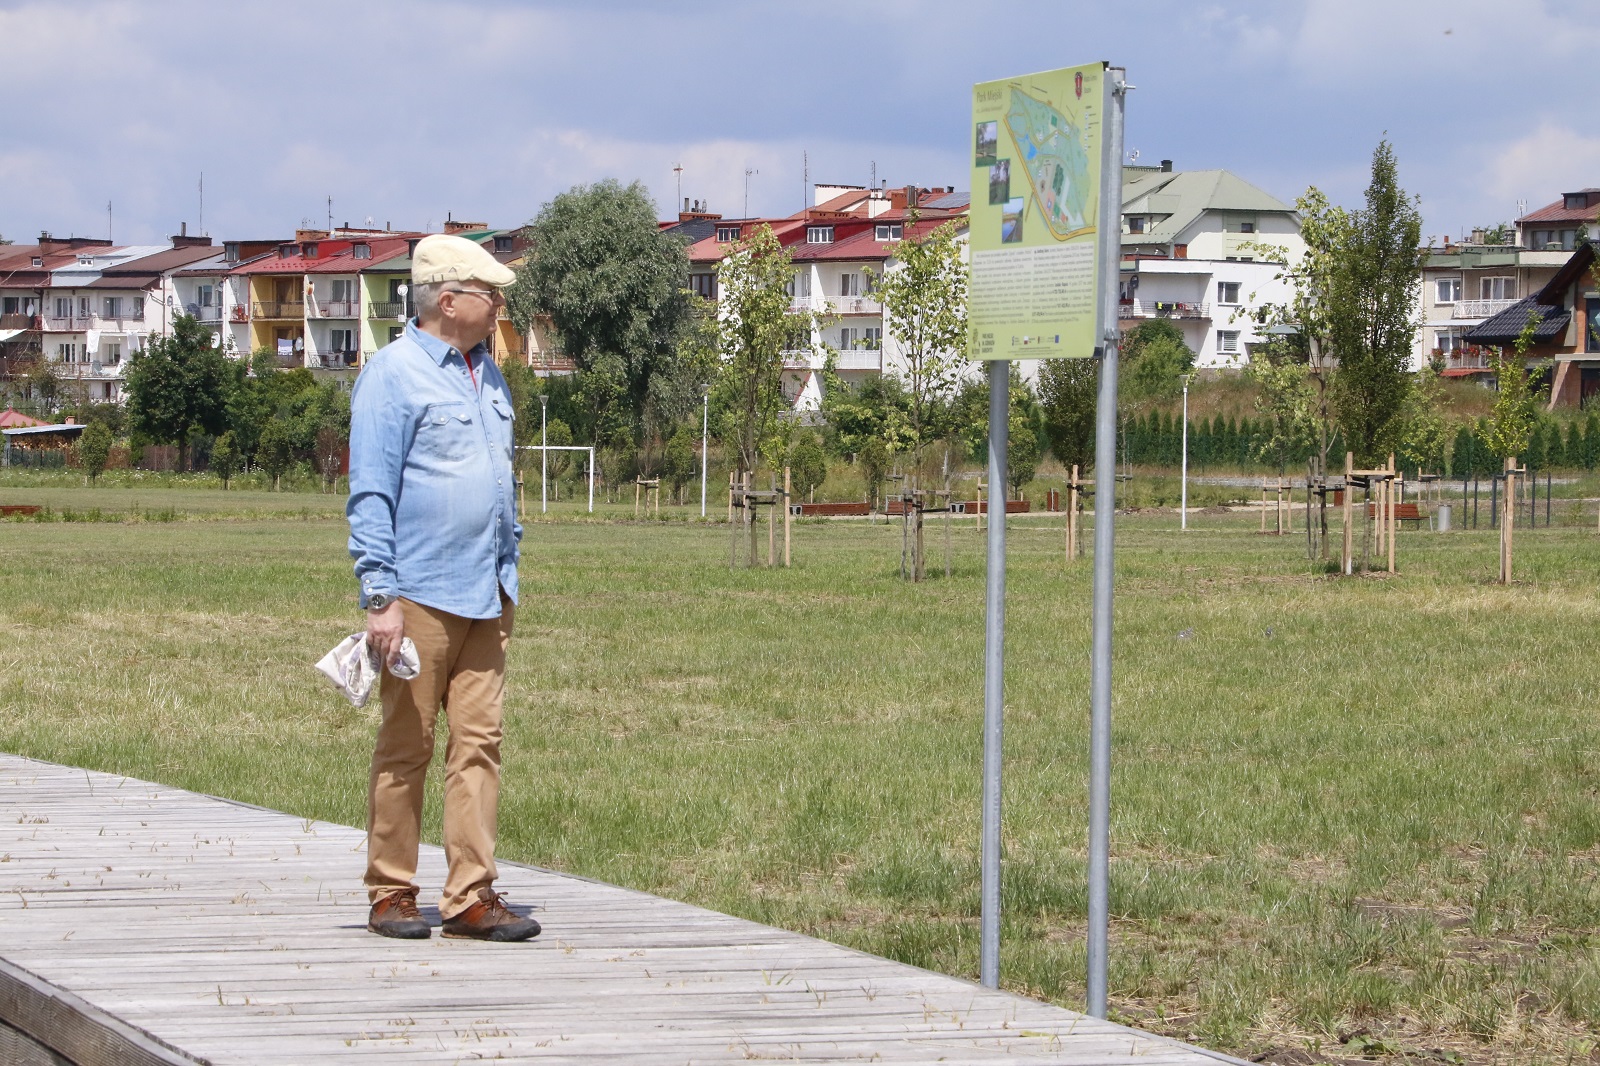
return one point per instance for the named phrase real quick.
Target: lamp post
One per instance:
(1183, 505)
(544, 454)
(705, 421)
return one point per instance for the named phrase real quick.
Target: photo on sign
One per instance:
(1011, 221)
(1000, 182)
(988, 149)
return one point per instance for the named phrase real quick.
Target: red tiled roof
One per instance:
(294, 264)
(345, 262)
(10, 419)
(1559, 212)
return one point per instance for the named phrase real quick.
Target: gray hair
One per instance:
(426, 298)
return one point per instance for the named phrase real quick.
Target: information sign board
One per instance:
(1034, 218)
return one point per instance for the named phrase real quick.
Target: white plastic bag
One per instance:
(352, 667)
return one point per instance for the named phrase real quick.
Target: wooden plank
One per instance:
(238, 934)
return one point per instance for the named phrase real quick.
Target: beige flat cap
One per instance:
(442, 257)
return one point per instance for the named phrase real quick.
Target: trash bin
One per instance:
(1442, 518)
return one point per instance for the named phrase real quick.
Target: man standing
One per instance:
(434, 534)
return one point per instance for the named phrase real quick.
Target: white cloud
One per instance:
(1542, 165)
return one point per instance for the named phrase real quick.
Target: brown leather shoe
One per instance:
(490, 919)
(396, 915)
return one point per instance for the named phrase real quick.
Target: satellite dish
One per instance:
(1133, 157)
(216, 340)
(403, 289)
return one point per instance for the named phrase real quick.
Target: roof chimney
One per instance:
(1166, 166)
(456, 226)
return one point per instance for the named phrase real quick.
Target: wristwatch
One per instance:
(377, 601)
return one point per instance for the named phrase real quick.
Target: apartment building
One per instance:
(1564, 314)
(1203, 249)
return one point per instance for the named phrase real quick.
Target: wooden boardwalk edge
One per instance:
(622, 975)
(74, 1029)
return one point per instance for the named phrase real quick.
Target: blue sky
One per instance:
(405, 110)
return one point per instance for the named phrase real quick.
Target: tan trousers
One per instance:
(463, 669)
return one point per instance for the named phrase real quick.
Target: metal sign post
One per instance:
(994, 671)
(1105, 452)
(1045, 237)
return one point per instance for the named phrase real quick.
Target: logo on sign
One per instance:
(1077, 84)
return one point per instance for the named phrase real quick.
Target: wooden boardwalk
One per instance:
(145, 924)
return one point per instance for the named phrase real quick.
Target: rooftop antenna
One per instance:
(108, 220)
(874, 180)
(677, 169)
(747, 173)
(330, 214)
(202, 226)
(805, 180)
(1133, 157)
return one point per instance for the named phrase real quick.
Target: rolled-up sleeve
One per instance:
(380, 435)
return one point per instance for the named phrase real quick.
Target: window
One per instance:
(1227, 340)
(1247, 227)
(83, 306)
(873, 336)
(67, 353)
(1447, 340)
(230, 251)
(286, 251)
(38, 260)
(10, 305)
(113, 354)
(208, 295)
(727, 234)
(1575, 201)
(1569, 238)
(113, 307)
(1592, 315)
(889, 231)
(503, 243)
(850, 284)
(819, 234)
(1446, 290)
(1498, 288)
(1135, 223)
(363, 251)
(703, 285)
(138, 307)
(344, 290)
(311, 251)
(800, 285)
(1227, 292)
(342, 340)
(64, 307)
(395, 333)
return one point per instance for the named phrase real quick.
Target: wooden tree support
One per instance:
(651, 488)
(1283, 509)
(750, 501)
(1076, 486)
(1508, 517)
(1384, 486)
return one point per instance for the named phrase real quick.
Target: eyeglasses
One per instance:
(492, 295)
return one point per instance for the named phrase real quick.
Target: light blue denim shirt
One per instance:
(432, 505)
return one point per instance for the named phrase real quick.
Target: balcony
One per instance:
(212, 313)
(860, 359)
(854, 305)
(334, 360)
(1162, 309)
(66, 323)
(240, 314)
(389, 309)
(1466, 359)
(278, 309)
(1479, 308)
(115, 320)
(19, 322)
(337, 309)
(94, 369)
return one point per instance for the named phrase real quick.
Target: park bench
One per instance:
(18, 508)
(831, 510)
(1403, 512)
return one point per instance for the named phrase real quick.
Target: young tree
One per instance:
(1289, 398)
(677, 461)
(1154, 360)
(1022, 451)
(754, 324)
(225, 458)
(179, 383)
(1425, 437)
(1068, 390)
(94, 448)
(925, 304)
(808, 465)
(1373, 300)
(1516, 408)
(275, 450)
(611, 282)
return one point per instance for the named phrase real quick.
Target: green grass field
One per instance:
(1351, 817)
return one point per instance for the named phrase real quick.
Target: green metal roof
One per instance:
(1183, 196)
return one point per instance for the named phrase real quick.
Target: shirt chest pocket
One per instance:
(503, 426)
(445, 433)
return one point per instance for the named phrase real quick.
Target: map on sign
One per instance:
(1055, 160)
